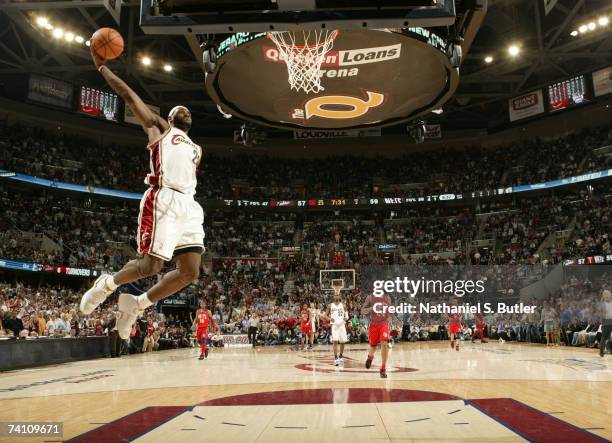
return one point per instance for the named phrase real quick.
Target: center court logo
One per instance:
(339, 107)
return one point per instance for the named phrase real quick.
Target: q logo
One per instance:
(356, 107)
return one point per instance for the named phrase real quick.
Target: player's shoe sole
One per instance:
(95, 295)
(128, 313)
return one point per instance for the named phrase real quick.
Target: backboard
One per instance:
(225, 16)
(328, 278)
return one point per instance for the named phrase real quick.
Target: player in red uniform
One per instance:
(305, 326)
(202, 319)
(454, 328)
(376, 308)
(480, 325)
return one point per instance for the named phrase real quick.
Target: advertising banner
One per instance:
(50, 91)
(602, 81)
(526, 105)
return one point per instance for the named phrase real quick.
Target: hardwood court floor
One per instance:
(489, 392)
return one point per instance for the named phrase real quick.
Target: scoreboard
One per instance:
(98, 103)
(568, 93)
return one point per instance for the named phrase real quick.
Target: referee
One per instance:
(253, 325)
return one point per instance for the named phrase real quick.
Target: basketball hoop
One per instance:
(304, 61)
(337, 285)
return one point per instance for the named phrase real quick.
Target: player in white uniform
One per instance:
(338, 317)
(314, 323)
(170, 220)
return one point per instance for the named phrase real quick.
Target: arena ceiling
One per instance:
(548, 53)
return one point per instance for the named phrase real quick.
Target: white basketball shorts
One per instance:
(338, 333)
(168, 222)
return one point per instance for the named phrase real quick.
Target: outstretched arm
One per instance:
(152, 124)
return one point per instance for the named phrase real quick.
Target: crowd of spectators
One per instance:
(254, 280)
(77, 160)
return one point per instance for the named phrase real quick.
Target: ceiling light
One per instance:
(574, 33)
(88, 43)
(514, 50)
(79, 39)
(146, 61)
(592, 26)
(42, 22)
(583, 29)
(49, 26)
(168, 68)
(488, 59)
(58, 33)
(69, 37)
(603, 21)
(438, 111)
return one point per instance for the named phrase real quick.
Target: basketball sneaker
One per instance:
(95, 296)
(337, 362)
(341, 361)
(383, 373)
(128, 313)
(201, 357)
(206, 353)
(368, 363)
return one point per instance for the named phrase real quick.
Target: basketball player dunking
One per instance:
(170, 220)
(203, 318)
(377, 308)
(338, 316)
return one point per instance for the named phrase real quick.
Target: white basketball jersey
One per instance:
(338, 313)
(174, 162)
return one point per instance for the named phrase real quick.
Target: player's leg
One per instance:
(370, 356)
(384, 353)
(203, 345)
(335, 345)
(199, 338)
(343, 338)
(152, 224)
(187, 270)
(373, 339)
(384, 349)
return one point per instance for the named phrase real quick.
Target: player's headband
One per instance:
(174, 110)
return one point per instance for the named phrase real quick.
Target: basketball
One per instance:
(107, 43)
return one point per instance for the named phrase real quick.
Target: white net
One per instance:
(304, 60)
(337, 285)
